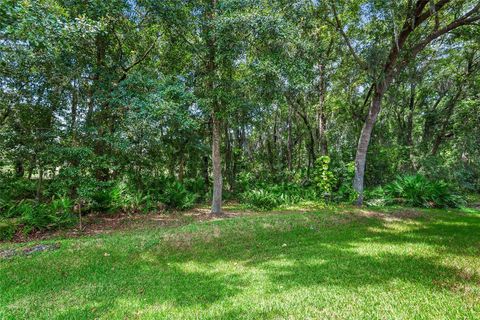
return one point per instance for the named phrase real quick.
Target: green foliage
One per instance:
(106, 103)
(13, 190)
(324, 178)
(8, 227)
(57, 214)
(33, 216)
(416, 191)
(130, 200)
(344, 191)
(261, 199)
(268, 197)
(176, 196)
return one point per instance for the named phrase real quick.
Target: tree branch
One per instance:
(467, 19)
(145, 54)
(338, 26)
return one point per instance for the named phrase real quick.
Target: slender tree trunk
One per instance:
(74, 106)
(443, 129)
(206, 176)
(181, 167)
(289, 139)
(321, 119)
(409, 126)
(216, 125)
(39, 184)
(411, 109)
(19, 168)
(229, 158)
(363, 142)
(217, 167)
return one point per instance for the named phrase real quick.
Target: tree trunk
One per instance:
(205, 173)
(321, 120)
(363, 142)
(289, 139)
(229, 159)
(443, 129)
(39, 184)
(217, 167)
(181, 167)
(19, 168)
(216, 126)
(411, 109)
(74, 107)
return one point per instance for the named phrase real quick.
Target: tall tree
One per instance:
(423, 22)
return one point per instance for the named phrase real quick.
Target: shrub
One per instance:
(176, 196)
(418, 191)
(7, 229)
(13, 190)
(260, 199)
(267, 197)
(378, 197)
(32, 216)
(127, 200)
(324, 178)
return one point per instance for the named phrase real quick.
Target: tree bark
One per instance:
(289, 139)
(19, 168)
(363, 142)
(229, 159)
(321, 119)
(74, 108)
(217, 167)
(181, 167)
(216, 126)
(206, 176)
(393, 66)
(443, 129)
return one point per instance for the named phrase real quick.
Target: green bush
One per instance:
(344, 173)
(132, 201)
(418, 191)
(324, 178)
(176, 196)
(261, 199)
(378, 197)
(53, 215)
(13, 190)
(7, 229)
(267, 197)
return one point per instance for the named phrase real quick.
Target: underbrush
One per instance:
(415, 191)
(269, 197)
(27, 205)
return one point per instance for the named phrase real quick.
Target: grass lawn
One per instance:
(328, 263)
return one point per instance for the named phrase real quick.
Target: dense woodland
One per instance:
(141, 105)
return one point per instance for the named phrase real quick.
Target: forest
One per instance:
(143, 108)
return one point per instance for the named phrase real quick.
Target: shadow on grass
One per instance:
(291, 253)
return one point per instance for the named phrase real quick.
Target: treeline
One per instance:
(136, 104)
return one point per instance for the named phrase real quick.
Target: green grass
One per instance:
(332, 263)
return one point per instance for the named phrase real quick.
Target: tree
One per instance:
(423, 22)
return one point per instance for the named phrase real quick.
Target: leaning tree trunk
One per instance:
(363, 142)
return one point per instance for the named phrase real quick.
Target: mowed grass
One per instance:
(328, 264)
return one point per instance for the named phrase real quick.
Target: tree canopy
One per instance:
(183, 101)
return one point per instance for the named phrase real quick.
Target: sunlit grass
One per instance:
(341, 264)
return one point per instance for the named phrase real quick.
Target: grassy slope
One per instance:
(322, 264)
